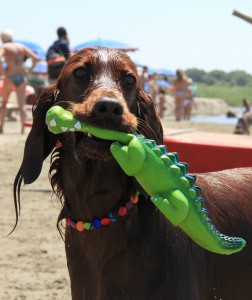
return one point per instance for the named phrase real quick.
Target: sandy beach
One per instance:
(169, 123)
(32, 258)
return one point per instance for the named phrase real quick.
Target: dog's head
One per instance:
(101, 87)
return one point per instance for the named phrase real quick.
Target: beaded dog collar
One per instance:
(98, 223)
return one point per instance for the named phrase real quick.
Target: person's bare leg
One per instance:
(189, 111)
(179, 108)
(7, 88)
(21, 103)
(186, 112)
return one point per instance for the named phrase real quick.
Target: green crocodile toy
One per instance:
(160, 174)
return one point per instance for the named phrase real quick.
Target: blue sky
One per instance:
(170, 34)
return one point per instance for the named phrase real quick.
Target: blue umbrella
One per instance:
(33, 47)
(105, 43)
(40, 67)
(151, 71)
(165, 72)
(163, 83)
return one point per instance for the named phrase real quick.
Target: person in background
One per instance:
(188, 105)
(58, 54)
(243, 124)
(182, 92)
(162, 105)
(246, 106)
(14, 75)
(154, 88)
(144, 77)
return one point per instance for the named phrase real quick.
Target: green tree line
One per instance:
(234, 78)
(232, 87)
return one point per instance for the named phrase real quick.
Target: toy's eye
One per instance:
(81, 72)
(129, 80)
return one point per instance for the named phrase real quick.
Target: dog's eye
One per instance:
(81, 73)
(129, 80)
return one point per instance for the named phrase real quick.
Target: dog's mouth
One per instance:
(87, 146)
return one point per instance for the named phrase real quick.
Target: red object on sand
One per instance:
(206, 152)
(28, 123)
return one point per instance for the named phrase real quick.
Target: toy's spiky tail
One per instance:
(178, 198)
(174, 192)
(197, 225)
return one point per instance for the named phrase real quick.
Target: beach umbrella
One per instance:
(163, 83)
(165, 72)
(151, 71)
(40, 67)
(41, 53)
(105, 43)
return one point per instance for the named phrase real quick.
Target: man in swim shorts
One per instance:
(14, 75)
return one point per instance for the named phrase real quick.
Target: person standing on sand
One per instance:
(246, 106)
(182, 92)
(162, 105)
(144, 77)
(187, 108)
(14, 75)
(154, 88)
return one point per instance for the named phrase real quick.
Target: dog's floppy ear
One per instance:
(152, 127)
(40, 142)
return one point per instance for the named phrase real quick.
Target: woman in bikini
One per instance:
(14, 75)
(182, 92)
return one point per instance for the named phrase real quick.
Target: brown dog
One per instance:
(139, 255)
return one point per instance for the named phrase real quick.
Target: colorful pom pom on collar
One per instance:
(99, 223)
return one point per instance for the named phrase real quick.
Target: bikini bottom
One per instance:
(17, 79)
(187, 102)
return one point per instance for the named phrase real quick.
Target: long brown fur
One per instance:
(141, 256)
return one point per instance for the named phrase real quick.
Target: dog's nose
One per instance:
(108, 108)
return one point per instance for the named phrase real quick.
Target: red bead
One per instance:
(68, 221)
(58, 144)
(134, 199)
(80, 226)
(122, 211)
(105, 221)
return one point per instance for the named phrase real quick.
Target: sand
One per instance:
(169, 122)
(32, 258)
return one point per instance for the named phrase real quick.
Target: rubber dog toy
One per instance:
(160, 174)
